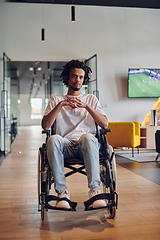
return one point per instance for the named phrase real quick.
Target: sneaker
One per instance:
(63, 204)
(98, 203)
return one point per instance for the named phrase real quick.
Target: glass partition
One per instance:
(92, 86)
(5, 107)
(58, 87)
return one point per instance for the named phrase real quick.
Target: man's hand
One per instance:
(100, 119)
(75, 102)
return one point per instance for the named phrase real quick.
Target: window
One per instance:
(36, 108)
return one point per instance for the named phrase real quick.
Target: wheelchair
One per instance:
(107, 175)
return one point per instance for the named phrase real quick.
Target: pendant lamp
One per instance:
(42, 34)
(73, 13)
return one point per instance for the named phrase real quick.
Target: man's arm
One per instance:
(49, 119)
(99, 118)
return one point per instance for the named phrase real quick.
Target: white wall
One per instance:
(122, 38)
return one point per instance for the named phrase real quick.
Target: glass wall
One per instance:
(5, 107)
(92, 86)
(14, 93)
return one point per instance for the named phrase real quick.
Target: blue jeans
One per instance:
(59, 148)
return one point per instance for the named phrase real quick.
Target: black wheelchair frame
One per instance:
(107, 175)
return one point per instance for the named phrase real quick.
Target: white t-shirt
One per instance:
(72, 123)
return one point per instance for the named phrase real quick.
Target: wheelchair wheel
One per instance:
(41, 172)
(103, 176)
(112, 211)
(108, 185)
(42, 211)
(113, 167)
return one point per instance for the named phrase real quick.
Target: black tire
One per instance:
(39, 178)
(107, 186)
(113, 166)
(112, 212)
(41, 197)
(42, 211)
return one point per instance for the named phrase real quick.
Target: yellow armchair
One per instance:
(124, 134)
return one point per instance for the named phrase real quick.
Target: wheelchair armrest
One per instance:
(104, 131)
(47, 132)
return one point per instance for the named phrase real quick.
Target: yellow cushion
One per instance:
(124, 134)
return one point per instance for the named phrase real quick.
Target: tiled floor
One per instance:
(138, 214)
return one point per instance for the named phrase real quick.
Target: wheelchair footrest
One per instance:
(55, 198)
(104, 196)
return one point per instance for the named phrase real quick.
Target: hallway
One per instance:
(138, 214)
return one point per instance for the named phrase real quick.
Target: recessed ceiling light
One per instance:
(39, 68)
(31, 69)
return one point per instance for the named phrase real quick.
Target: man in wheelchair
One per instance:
(74, 116)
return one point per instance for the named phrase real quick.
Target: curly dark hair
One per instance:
(75, 64)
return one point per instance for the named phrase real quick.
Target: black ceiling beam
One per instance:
(110, 3)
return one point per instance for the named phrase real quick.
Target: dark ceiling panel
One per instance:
(111, 3)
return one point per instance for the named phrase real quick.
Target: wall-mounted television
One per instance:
(143, 83)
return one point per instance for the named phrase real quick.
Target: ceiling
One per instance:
(112, 3)
(20, 70)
